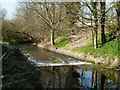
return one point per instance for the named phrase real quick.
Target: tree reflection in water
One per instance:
(73, 77)
(102, 81)
(95, 80)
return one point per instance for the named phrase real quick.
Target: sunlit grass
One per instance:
(110, 49)
(62, 41)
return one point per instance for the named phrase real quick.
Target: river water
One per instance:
(60, 71)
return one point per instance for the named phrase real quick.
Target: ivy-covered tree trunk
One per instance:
(103, 38)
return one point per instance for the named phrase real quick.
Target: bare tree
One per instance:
(93, 9)
(3, 13)
(50, 13)
(72, 12)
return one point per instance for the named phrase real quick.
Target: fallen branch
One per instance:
(3, 55)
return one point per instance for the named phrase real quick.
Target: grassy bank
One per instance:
(62, 41)
(110, 49)
(17, 71)
(106, 55)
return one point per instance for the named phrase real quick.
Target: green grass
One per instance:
(62, 41)
(67, 48)
(13, 40)
(110, 49)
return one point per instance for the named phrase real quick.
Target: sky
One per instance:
(10, 6)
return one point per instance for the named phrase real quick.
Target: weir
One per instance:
(60, 71)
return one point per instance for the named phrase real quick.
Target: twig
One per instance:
(4, 54)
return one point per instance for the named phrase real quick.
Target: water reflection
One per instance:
(74, 77)
(79, 76)
(102, 81)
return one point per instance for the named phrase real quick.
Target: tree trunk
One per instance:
(95, 36)
(92, 32)
(118, 19)
(53, 24)
(103, 38)
(52, 38)
(118, 15)
(95, 12)
(118, 28)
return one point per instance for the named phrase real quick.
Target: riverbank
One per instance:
(15, 41)
(86, 57)
(17, 71)
(80, 47)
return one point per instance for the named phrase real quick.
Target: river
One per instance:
(60, 71)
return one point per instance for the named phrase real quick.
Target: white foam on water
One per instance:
(39, 63)
(62, 64)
